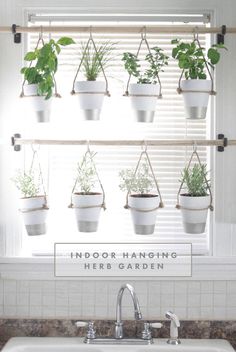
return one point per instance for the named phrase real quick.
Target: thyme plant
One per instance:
(140, 183)
(191, 58)
(92, 60)
(194, 180)
(156, 60)
(86, 173)
(45, 65)
(27, 184)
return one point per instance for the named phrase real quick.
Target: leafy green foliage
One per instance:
(156, 60)
(191, 58)
(194, 180)
(93, 60)
(86, 173)
(27, 183)
(140, 183)
(45, 66)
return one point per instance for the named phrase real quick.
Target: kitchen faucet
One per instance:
(137, 312)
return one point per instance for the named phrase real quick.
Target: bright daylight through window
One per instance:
(59, 163)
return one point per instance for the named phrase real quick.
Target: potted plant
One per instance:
(145, 92)
(40, 76)
(85, 200)
(142, 204)
(195, 87)
(91, 92)
(33, 205)
(196, 200)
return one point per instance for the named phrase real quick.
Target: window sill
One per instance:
(204, 268)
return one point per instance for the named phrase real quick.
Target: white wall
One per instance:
(224, 244)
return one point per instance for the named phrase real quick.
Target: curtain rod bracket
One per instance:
(221, 148)
(17, 36)
(221, 36)
(17, 147)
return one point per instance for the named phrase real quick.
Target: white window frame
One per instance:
(223, 254)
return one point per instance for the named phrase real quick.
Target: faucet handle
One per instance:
(91, 332)
(156, 325)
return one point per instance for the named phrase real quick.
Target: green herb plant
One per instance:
(86, 173)
(191, 58)
(93, 60)
(141, 183)
(44, 65)
(27, 183)
(156, 61)
(194, 180)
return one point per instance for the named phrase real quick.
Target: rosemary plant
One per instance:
(195, 180)
(86, 173)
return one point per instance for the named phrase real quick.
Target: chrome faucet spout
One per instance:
(137, 311)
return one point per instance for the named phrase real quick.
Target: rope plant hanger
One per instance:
(35, 158)
(212, 91)
(195, 154)
(161, 204)
(144, 41)
(56, 94)
(102, 205)
(90, 40)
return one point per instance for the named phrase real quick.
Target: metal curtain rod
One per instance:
(221, 142)
(115, 29)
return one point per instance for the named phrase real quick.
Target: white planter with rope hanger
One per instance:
(144, 96)
(91, 96)
(39, 105)
(34, 209)
(194, 209)
(143, 207)
(196, 93)
(90, 93)
(34, 213)
(88, 206)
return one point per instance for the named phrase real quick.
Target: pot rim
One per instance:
(145, 195)
(188, 195)
(87, 194)
(39, 196)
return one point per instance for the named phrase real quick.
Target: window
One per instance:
(59, 162)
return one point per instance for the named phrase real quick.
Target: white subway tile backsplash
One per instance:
(91, 300)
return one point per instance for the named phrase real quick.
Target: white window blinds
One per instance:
(116, 123)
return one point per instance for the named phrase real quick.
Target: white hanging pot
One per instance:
(91, 104)
(194, 212)
(196, 102)
(40, 106)
(144, 221)
(144, 100)
(87, 210)
(34, 215)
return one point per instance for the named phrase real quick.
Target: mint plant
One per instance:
(191, 58)
(156, 60)
(45, 65)
(27, 183)
(140, 183)
(194, 180)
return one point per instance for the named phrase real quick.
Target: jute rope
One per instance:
(103, 205)
(211, 92)
(127, 94)
(22, 94)
(161, 205)
(178, 206)
(80, 65)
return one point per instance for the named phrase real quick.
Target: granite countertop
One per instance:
(56, 327)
